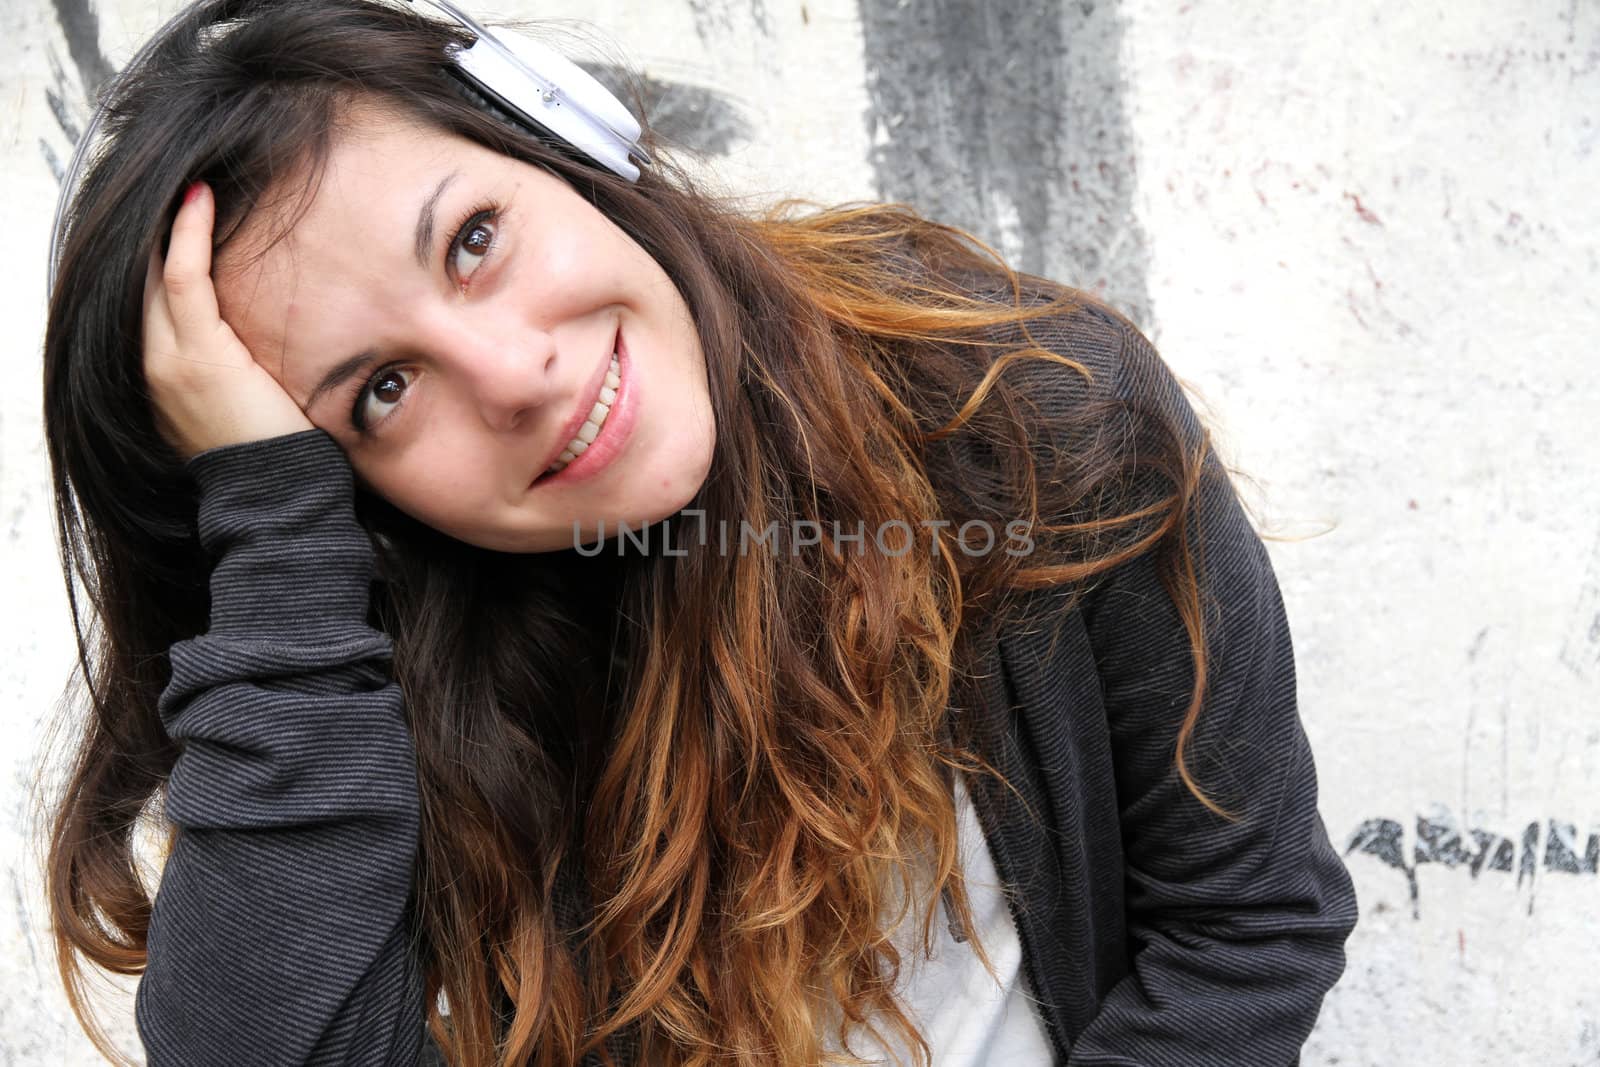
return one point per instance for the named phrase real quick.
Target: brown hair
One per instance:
(740, 754)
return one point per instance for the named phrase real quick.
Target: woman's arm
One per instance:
(279, 931)
(1237, 929)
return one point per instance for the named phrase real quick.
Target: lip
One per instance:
(612, 435)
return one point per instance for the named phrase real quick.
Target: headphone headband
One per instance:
(536, 85)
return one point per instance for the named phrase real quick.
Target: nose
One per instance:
(506, 375)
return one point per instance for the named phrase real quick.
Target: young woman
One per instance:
(553, 618)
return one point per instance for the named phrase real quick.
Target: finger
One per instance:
(159, 345)
(158, 332)
(155, 296)
(186, 275)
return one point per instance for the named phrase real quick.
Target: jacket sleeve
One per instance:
(279, 932)
(1236, 930)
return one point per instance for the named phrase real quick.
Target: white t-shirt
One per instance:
(967, 1020)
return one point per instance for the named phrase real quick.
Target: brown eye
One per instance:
(389, 387)
(383, 395)
(471, 246)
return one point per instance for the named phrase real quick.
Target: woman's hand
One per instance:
(206, 389)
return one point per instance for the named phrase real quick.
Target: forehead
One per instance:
(332, 242)
(376, 159)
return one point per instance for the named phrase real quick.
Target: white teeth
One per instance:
(597, 418)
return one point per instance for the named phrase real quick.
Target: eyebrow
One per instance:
(339, 374)
(425, 219)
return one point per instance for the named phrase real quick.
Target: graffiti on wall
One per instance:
(1007, 120)
(1553, 846)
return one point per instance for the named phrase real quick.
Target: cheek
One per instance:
(434, 485)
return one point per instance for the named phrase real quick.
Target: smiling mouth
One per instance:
(592, 423)
(594, 420)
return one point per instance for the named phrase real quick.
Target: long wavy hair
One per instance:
(746, 758)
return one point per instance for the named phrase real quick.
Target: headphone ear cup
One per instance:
(578, 111)
(470, 92)
(581, 87)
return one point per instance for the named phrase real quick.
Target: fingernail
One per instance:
(193, 192)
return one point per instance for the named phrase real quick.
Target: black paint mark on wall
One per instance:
(1440, 841)
(697, 119)
(67, 97)
(1006, 119)
(80, 26)
(1385, 839)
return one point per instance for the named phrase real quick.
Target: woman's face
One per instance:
(450, 316)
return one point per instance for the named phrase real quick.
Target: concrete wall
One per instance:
(1365, 232)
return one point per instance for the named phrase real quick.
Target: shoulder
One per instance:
(1116, 362)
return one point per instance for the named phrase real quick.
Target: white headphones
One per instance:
(532, 82)
(540, 85)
